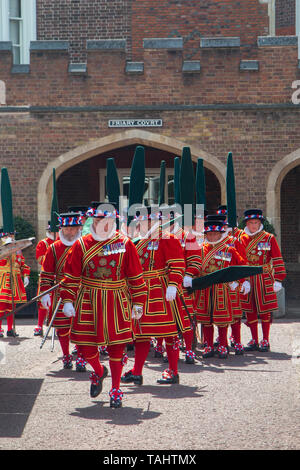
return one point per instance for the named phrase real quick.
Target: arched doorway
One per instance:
(290, 234)
(283, 212)
(73, 189)
(103, 146)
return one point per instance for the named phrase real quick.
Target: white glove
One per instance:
(171, 293)
(277, 286)
(69, 310)
(245, 287)
(187, 281)
(233, 285)
(26, 281)
(46, 301)
(137, 312)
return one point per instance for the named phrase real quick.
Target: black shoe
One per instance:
(208, 352)
(97, 383)
(67, 362)
(80, 365)
(38, 332)
(264, 346)
(222, 352)
(11, 333)
(168, 378)
(158, 354)
(115, 398)
(190, 357)
(128, 377)
(238, 349)
(251, 346)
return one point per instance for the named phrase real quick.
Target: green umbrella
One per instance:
(187, 183)
(54, 225)
(177, 180)
(6, 202)
(230, 274)
(162, 183)
(112, 182)
(200, 183)
(230, 192)
(137, 179)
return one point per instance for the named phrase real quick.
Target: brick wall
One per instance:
(133, 20)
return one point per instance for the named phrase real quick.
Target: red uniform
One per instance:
(104, 279)
(235, 295)
(40, 252)
(214, 303)
(52, 273)
(262, 250)
(163, 263)
(18, 295)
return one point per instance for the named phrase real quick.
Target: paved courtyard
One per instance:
(243, 402)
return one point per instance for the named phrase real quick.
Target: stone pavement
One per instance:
(244, 402)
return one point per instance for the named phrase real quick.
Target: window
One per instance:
(18, 25)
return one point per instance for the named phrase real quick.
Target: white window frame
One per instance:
(122, 172)
(28, 8)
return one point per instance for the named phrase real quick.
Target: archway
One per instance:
(273, 192)
(105, 145)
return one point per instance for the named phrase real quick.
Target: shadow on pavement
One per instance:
(17, 398)
(122, 416)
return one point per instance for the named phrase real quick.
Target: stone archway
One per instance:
(115, 140)
(273, 192)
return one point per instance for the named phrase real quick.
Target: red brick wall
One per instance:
(163, 81)
(79, 20)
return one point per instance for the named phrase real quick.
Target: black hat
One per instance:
(222, 210)
(81, 209)
(251, 214)
(70, 219)
(213, 225)
(101, 210)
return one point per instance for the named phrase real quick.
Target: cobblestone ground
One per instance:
(242, 402)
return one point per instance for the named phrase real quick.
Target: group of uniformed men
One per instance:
(122, 289)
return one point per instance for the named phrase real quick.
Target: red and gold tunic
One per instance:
(214, 303)
(192, 259)
(103, 279)
(52, 273)
(262, 250)
(163, 263)
(20, 269)
(40, 252)
(235, 295)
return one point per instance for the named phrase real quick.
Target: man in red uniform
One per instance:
(214, 303)
(102, 287)
(13, 273)
(163, 263)
(40, 252)
(261, 249)
(233, 236)
(52, 273)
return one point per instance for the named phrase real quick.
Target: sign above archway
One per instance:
(135, 123)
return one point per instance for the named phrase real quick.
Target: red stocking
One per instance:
(172, 349)
(116, 352)
(91, 355)
(188, 339)
(64, 339)
(141, 352)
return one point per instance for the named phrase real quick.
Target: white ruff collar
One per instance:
(49, 235)
(247, 231)
(68, 242)
(224, 235)
(99, 238)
